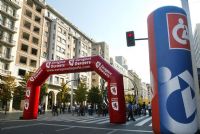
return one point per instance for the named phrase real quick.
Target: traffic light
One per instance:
(130, 38)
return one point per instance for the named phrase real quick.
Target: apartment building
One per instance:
(30, 37)
(63, 40)
(123, 71)
(9, 28)
(197, 48)
(101, 49)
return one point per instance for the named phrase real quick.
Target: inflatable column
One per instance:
(173, 104)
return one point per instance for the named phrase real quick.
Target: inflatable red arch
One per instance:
(95, 63)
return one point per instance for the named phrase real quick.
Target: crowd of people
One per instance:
(78, 109)
(136, 109)
(90, 109)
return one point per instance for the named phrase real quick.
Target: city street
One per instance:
(68, 124)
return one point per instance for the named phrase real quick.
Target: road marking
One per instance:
(102, 122)
(13, 127)
(136, 119)
(143, 122)
(111, 132)
(97, 120)
(64, 129)
(101, 128)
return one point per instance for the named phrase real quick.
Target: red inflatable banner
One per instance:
(117, 108)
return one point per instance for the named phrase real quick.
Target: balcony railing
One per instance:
(40, 2)
(9, 12)
(5, 72)
(7, 57)
(7, 41)
(15, 3)
(9, 26)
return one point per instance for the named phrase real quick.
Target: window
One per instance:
(34, 51)
(29, 3)
(37, 19)
(35, 40)
(25, 36)
(46, 34)
(44, 54)
(59, 38)
(59, 29)
(27, 24)
(63, 41)
(36, 29)
(24, 48)
(38, 9)
(33, 63)
(21, 72)
(23, 60)
(56, 80)
(28, 13)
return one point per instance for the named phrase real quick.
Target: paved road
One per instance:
(68, 124)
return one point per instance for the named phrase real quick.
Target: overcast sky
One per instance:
(108, 20)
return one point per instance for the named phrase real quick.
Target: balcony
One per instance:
(7, 41)
(8, 27)
(14, 3)
(4, 72)
(6, 57)
(8, 13)
(40, 2)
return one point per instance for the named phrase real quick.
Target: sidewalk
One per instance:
(10, 115)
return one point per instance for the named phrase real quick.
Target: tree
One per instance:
(129, 98)
(20, 90)
(80, 93)
(63, 95)
(94, 96)
(43, 91)
(8, 87)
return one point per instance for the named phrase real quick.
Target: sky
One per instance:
(108, 20)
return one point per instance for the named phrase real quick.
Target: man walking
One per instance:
(130, 111)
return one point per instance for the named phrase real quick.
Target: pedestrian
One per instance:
(55, 109)
(144, 108)
(130, 111)
(149, 109)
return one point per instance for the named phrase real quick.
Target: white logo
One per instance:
(170, 86)
(185, 35)
(31, 78)
(48, 64)
(28, 92)
(98, 64)
(113, 90)
(71, 62)
(115, 105)
(26, 104)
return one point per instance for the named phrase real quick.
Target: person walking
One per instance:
(130, 111)
(149, 109)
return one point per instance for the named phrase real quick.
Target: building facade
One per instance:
(102, 49)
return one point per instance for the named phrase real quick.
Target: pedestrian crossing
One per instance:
(139, 120)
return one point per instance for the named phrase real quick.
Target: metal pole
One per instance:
(185, 6)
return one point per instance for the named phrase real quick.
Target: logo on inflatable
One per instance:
(178, 31)
(26, 104)
(98, 64)
(113, 90)
(48, 64)
(71, 62)
(115, 104)
(176, 91)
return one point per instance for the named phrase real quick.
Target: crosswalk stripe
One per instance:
(139, 121)
(97, 120)
(136, 119)
(103, 122)
(144, 121)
